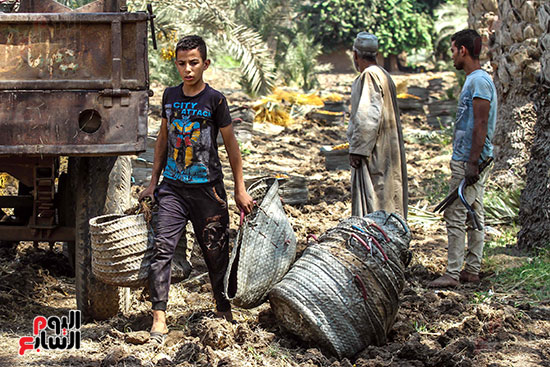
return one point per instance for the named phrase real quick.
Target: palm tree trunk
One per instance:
(535, 199)
(515, 60)
(483, 17)
(522, 135)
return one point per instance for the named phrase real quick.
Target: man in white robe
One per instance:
(377, 152)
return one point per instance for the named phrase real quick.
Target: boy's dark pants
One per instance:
(206, 207)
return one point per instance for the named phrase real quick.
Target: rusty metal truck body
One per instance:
(72, 84)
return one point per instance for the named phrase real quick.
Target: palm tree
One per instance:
(450, 18)
(214, 20)
(535, 201)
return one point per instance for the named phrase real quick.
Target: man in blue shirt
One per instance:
(474, 130)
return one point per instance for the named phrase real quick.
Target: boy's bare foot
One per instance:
(159, 322)
(228, 315)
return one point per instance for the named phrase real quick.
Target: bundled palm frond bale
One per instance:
(343, 293)
(121, 249)
(264, 249)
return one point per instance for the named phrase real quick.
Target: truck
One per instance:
(74, 95)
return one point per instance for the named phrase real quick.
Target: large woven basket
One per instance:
(121, 249)
(264, 249)
(340, 294)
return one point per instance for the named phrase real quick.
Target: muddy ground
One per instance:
(469, 326)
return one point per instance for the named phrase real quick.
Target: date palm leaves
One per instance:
(214, 21)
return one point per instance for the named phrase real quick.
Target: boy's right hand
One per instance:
(244, 201)
(148, 192)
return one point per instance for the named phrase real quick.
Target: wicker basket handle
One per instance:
(399, 220)
(311, 235)
(377, 244)
(380, 230)
(362, 242)
(361, 286)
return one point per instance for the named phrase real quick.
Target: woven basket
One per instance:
(340, 294)
(264, 249)
(121, 249)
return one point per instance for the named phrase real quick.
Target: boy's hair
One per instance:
(470, 39)
(190, 43)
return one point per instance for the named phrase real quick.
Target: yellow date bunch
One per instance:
(169, 41)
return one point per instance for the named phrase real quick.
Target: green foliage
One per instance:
(526, 273)
(245, 148)
(163, 71)
(420, 327)
(533, 277)
(336, 22)
(482, 296)
(506, 238)
(299, 65)
(450, 17)
(421, 216)
(442, 137)
(428, 6)
(269, 18)
(498, 242)
(502, 205)
(73, 4)
(238, 31)
(257, 66)
(214, 20)
(399, 27)
(225, 61)
(438, 187)
(161, 61)
(295, 50)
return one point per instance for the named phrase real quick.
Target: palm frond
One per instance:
(256, 62)
(502, 205)
(450, 18)
(422, 217)
(214, 20)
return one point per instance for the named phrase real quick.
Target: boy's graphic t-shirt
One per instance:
(193, 125)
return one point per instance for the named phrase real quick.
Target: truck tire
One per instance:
(65, 204)
(101, 186)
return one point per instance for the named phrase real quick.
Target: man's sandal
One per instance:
(157, 337)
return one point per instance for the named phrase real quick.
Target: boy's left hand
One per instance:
(244, 201)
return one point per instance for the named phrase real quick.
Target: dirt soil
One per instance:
(459, 327)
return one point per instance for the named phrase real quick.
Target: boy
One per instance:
(192, 189)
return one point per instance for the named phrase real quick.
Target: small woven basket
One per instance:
(121, 249)
(343, 293)
(264, 249)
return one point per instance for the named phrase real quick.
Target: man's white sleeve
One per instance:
(364, 123)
